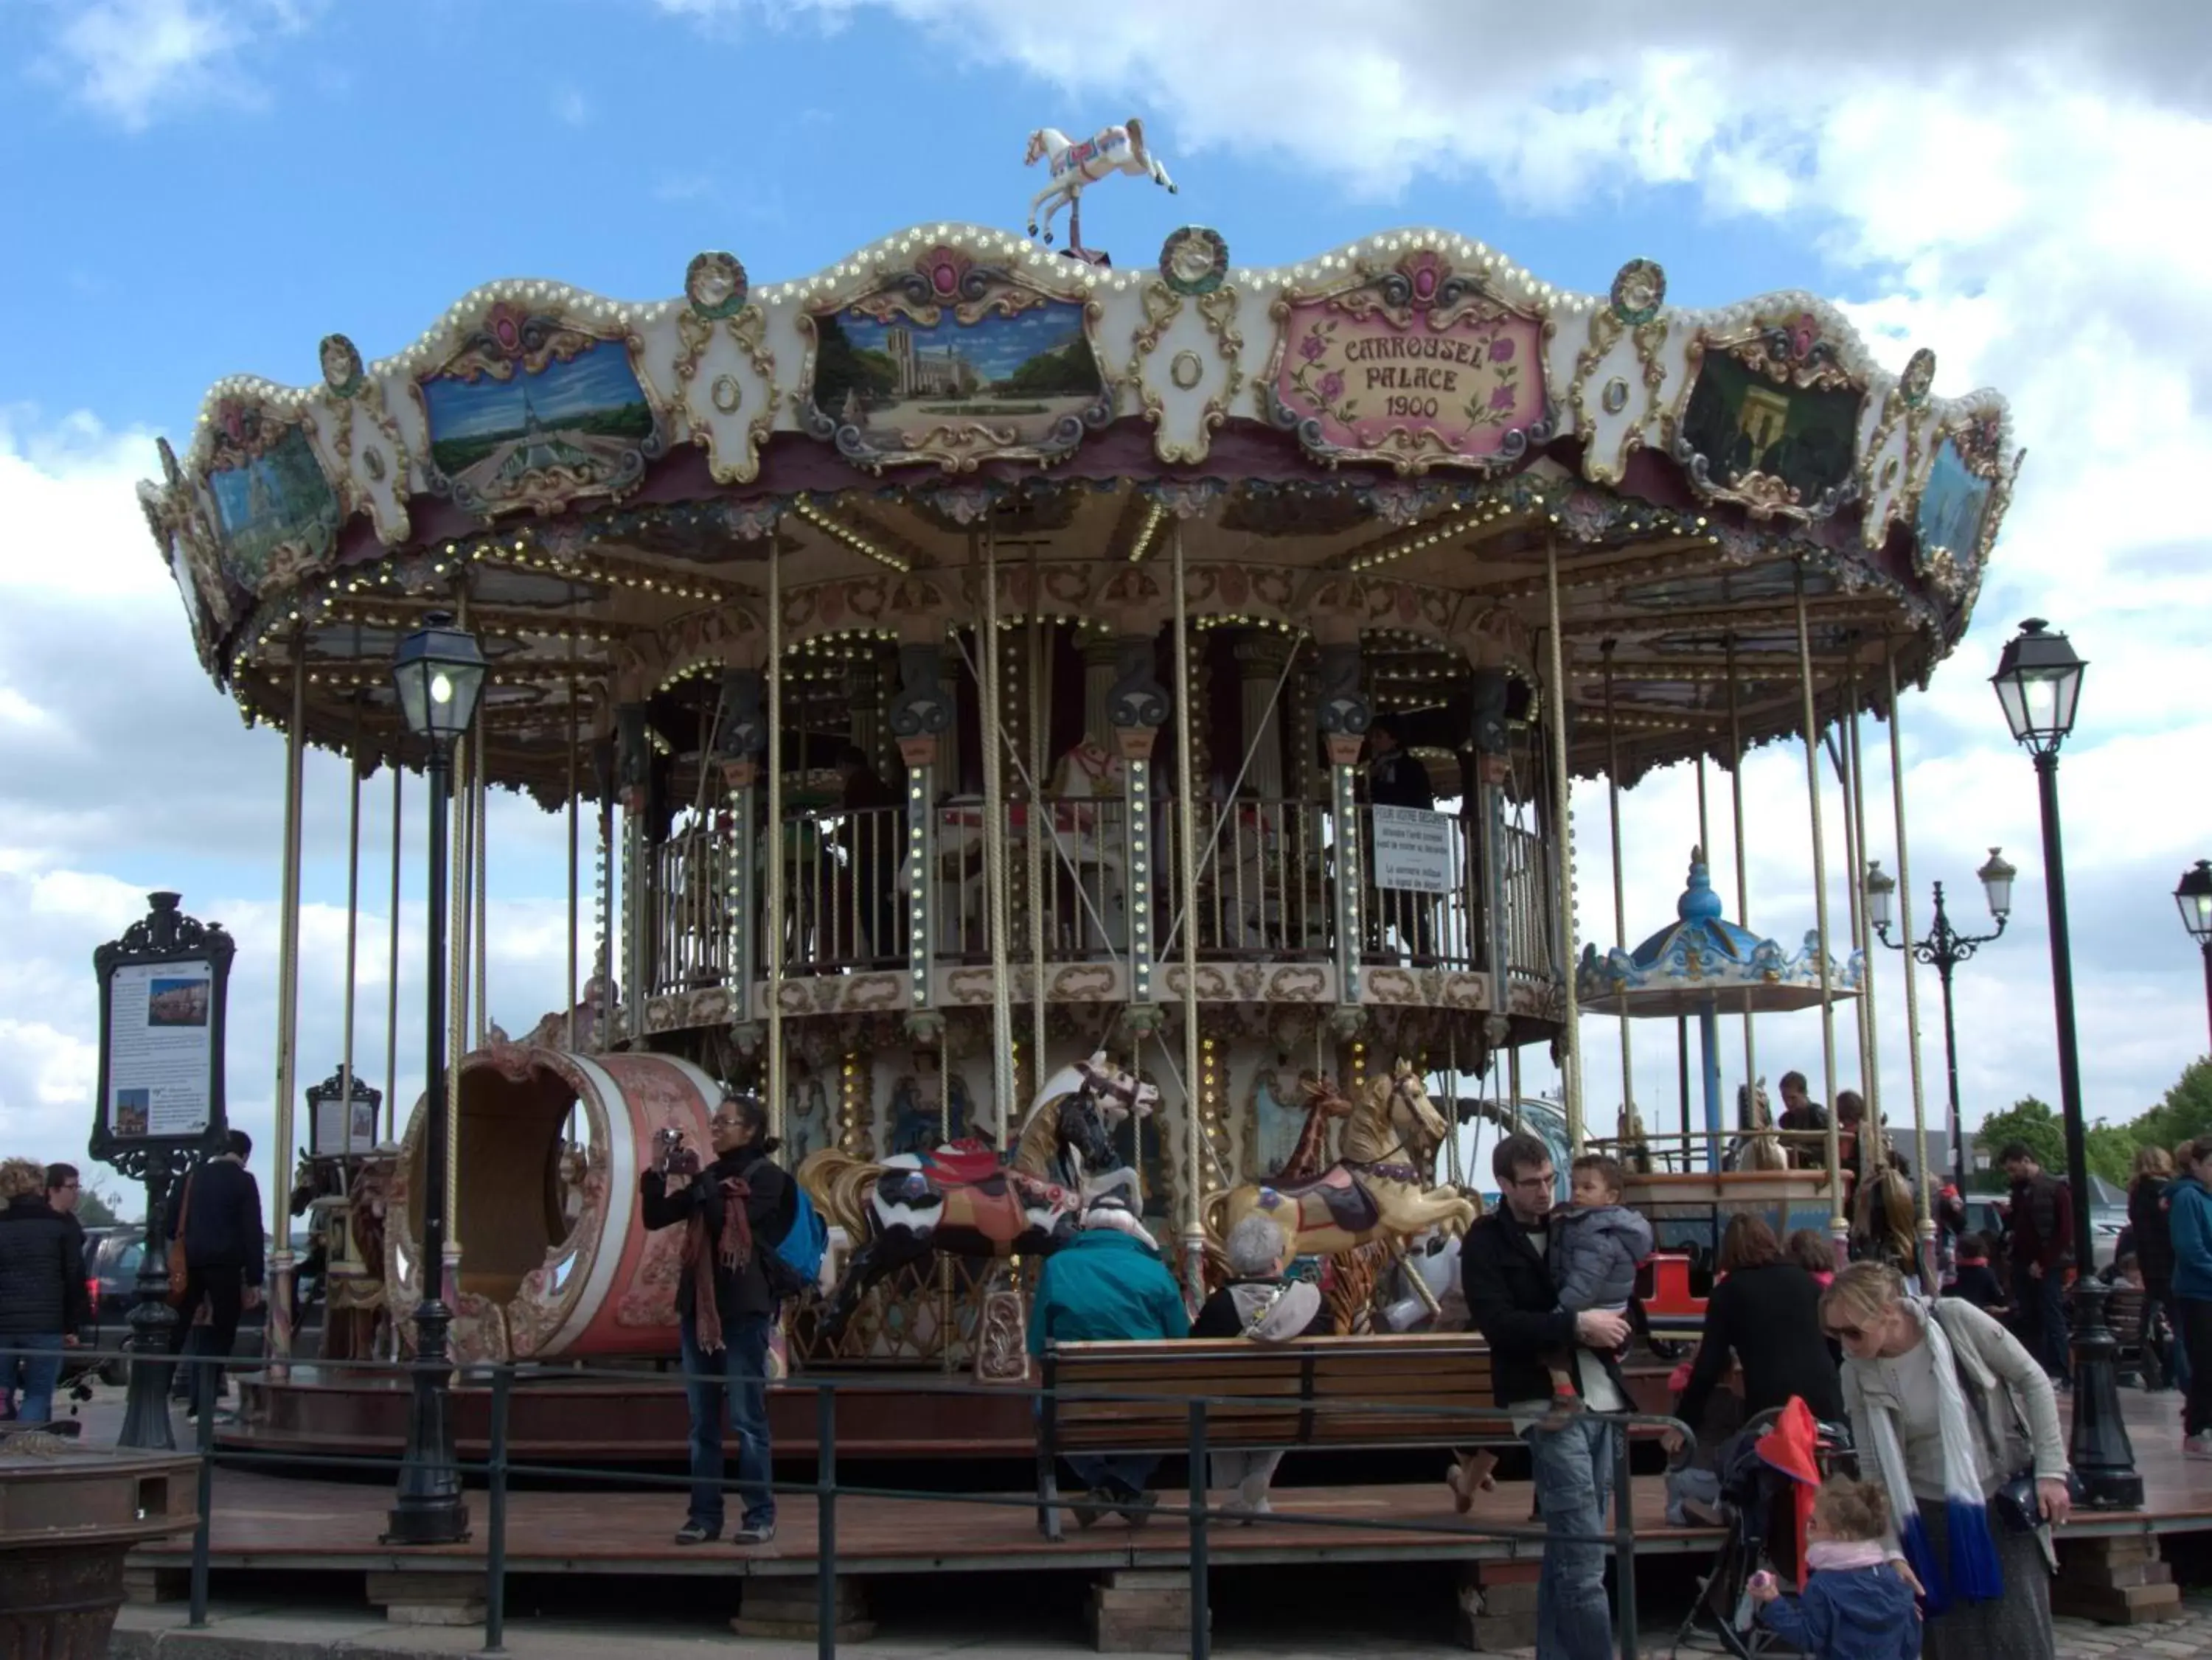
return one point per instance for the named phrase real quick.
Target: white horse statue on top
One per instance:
(1073, 166)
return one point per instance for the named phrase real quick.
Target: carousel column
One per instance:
(1742, 874)
(1136, 707)
(1862, 945)
(741, 720)
(777, 922)
(1846, 752)
(1343, 714)
(1037, 643)
(606, 994)
(920, 716)
(1492, 766)
(1630, 1123)
(991, 661)
(1571, 1062)
(633, 784)
(1839, 1225)
(1263, 656)
(1928, 1279)
(1195, 1109)
(281, 1265)
(391, 973)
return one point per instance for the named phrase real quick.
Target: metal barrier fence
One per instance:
(498, 1470)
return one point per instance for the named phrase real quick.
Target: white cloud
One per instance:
(133, 61)
(123, 771)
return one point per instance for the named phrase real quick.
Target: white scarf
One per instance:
(1974, 1574)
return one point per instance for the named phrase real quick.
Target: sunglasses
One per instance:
(1846, 1334)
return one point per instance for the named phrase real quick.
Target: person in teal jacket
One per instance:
(2189, 1209)
(1107, 1285)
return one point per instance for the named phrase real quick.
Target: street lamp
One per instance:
(2039, 682)
(2194, 895)
(438, 671)
(1944, 949)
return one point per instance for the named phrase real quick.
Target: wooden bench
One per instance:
(1135, 1397)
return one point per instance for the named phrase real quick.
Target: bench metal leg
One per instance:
(1047, 1496)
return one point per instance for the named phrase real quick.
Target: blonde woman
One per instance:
(2153, 1231)
(42, 1296)
(1959, 1424)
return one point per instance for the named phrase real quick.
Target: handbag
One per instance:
(179, 1269)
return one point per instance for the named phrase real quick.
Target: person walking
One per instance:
(2151, 1230)
(1261, 1304)
(733, 1213)
(218, 1216)
(1765, 1311)
(42, 1297)
(1512, 1299)
(2042, 1251)
(1959, 1424)
(2189, 1215)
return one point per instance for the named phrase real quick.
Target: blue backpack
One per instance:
(803, 1244)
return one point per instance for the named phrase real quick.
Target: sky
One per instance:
(198, 188)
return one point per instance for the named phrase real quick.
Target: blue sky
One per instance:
(197, 188)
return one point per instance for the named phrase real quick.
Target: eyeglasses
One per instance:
(1846, 1334)
(1541, 1178)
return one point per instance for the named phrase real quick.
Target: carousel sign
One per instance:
(163, 989)
(1416, 366)
(1412, 850)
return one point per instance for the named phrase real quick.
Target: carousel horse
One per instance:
(1759, 1146)
(1376, 1190)
(962, 1200)
(1073, 166)
(1885, 1222)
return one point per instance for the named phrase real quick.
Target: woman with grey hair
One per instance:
(1260, 1304)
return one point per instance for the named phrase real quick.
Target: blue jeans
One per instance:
(35, 1367)
(1574, 1477)
(739, 1374)
(2043, 1305)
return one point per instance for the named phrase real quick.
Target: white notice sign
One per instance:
(161, 1066)
(1412, 850)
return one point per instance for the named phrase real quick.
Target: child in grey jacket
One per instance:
(1597, 1242)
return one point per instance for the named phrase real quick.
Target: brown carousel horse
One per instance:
(962, 1199)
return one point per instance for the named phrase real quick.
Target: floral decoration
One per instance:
(1639, 289)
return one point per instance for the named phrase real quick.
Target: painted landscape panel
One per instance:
(1952, 507)
(276, 508)
(892, 377)
(1744, 424)
(577, 425)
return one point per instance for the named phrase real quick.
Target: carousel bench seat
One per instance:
(1416, 1389)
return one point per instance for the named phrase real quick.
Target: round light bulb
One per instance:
(442, 689)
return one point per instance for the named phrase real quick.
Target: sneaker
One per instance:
(2199, 1445)
(1136, 1509)
(754, 1533)
(695, 1533)
(1091, 1506)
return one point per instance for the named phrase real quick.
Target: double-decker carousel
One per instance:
(1004, 704)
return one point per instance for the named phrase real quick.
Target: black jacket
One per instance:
(1398, 780)
(770, 1206)
(1511, 1301)
(1769, 1317)
(222, 1225)
(41, 1271)
(2154, 1231)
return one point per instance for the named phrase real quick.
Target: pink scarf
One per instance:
(736, 1250)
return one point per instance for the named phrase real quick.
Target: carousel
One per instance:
(1048, 724)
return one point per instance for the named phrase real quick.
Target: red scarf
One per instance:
(735, 1233)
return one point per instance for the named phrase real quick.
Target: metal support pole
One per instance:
(428, 1508)
(1571, 1061)
(1201, 1613)
(281, 1261)
(391, 973)
(776, 905)
(1619, 890)
(825, 1525)
(206, 1372)
(2101, 1454)
(1194, 1234)
(996, 876)
(1624, 1543)
(146, 1408)
(1838, 1227)
(1742, 866)
(502, 1398)
(1930, 1279)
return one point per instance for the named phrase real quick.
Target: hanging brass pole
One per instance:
(352, 933)
(1847, 785)
(1743, 864)
(995, 874)
(775, 848)
(1619, 880)
(1040, 722)
(1838, 1226)
(1911, 986)
(391, 975)
(279, 1319)
(573, 985)
(1194, 1235)
(1571, 1062)
(468, 756)
(1862, 937)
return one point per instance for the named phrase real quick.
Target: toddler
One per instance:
(1858, 1604)
(1596, 1243)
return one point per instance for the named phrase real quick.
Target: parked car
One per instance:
(113, 1256)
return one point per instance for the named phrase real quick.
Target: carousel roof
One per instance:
(1378, 444)
(1703, 961)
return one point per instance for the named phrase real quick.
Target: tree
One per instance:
(2110, 1150)
(2183, 1115)
(95, 1210)
(2034, 1125)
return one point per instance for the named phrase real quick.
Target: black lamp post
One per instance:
(1943, 949)
(2039, 682)
(438, 671)
(2194, 895)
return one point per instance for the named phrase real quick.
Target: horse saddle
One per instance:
(996, 1208)
(968, 1160)
(1335, 1198)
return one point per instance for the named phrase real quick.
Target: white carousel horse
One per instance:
(1073, 166)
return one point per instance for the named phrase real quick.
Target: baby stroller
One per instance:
(1766, 1484)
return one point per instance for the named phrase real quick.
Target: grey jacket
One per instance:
(1595, 1252)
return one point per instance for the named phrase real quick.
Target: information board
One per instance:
(161, 1049)
(1412, 850)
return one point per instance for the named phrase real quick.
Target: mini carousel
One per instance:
(977, 679)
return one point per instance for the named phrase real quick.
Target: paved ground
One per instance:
(2176, 1640)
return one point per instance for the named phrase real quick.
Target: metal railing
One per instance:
(499, 1469)
(1265, 871)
